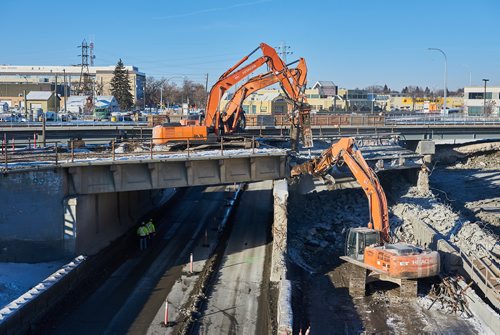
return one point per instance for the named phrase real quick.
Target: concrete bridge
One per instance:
(408, 131)
(51, 209)
(73, 206)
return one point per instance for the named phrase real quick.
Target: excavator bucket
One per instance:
(305, 127)
(301, 125)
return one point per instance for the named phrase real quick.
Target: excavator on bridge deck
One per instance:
(369, 248)
(292, 81)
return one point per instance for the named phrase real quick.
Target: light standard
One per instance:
(484, 101)
(445, 74)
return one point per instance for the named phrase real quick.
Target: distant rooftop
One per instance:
(39, 95)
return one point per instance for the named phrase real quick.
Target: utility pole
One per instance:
(65, 91)
(484, 101)
(26, 106)
(206, 89)
(55, 95)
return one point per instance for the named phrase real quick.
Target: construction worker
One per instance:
(151, 228)
(142, 232)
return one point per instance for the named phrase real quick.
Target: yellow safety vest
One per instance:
(142, 231)
(151, 227)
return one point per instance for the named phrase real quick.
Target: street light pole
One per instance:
(445, 75)
(484, 100)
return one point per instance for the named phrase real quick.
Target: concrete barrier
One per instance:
(278, 261)
(284, 314)
(21, 315)
(280, 221)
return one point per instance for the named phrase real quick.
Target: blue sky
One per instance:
(353, 43)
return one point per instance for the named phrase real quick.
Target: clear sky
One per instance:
(353, 43)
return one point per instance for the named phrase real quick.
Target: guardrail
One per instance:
(56, 153)
(482, 275)
(60, 124)
(440, 120)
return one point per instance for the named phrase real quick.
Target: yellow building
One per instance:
(44, 100)
(430, 104)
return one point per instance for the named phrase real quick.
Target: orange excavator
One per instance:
(369, 248)
(214, 121)
(232, 115)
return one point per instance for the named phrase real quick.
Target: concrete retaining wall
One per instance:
(452, 262)
(280, 194)
(40, 222)
(278, 261)
(31, 215)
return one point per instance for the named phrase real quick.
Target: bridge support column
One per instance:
(427, 149)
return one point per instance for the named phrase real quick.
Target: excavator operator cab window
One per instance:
(358, 239)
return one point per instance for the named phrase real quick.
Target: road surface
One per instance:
(238, 302)
(129, 299)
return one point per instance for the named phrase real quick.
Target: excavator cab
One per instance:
(358, 239)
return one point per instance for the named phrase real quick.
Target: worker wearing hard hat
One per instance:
(143, 233)
(151, 229)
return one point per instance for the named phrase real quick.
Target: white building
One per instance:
(474, 100)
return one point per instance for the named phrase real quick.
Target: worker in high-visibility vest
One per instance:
(151, 228)
(142, 232)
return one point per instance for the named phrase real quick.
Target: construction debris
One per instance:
(451, 296)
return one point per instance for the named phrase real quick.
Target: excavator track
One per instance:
(357, 281)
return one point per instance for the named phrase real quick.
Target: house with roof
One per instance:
(325, 88)
(263, 102)
(45, 100)
(107, 102)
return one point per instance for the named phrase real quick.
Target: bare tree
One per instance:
(489, 108)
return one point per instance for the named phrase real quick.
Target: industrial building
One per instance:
(15, 79)
(474, 100)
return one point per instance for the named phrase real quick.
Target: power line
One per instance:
(284, 50)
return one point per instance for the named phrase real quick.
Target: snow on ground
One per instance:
(18, 278)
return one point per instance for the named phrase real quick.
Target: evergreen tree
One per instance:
(427, 92)
(386, 89)
(120, 86)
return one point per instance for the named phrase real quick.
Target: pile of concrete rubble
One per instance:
(317, 222)
(470, 237)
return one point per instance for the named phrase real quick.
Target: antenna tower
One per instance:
(85, 83)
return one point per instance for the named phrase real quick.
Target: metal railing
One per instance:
(57, 153)
(488, 279)
(77, 124)
(440, 120)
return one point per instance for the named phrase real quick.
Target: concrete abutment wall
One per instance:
(278, 263)
(40, 221)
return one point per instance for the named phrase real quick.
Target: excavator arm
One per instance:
(233, 76)
(346, 151)
(233, 110)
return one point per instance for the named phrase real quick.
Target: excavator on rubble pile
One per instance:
(292, 81)
(368, 249)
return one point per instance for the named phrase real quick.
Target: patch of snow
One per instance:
(22, 277)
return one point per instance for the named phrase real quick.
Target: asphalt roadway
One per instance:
(129, 299)
(238, 303)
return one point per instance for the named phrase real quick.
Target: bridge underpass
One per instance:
(64, 207)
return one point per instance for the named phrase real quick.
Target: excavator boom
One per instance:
(233, 109)
(346, 150)
(293, 87)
